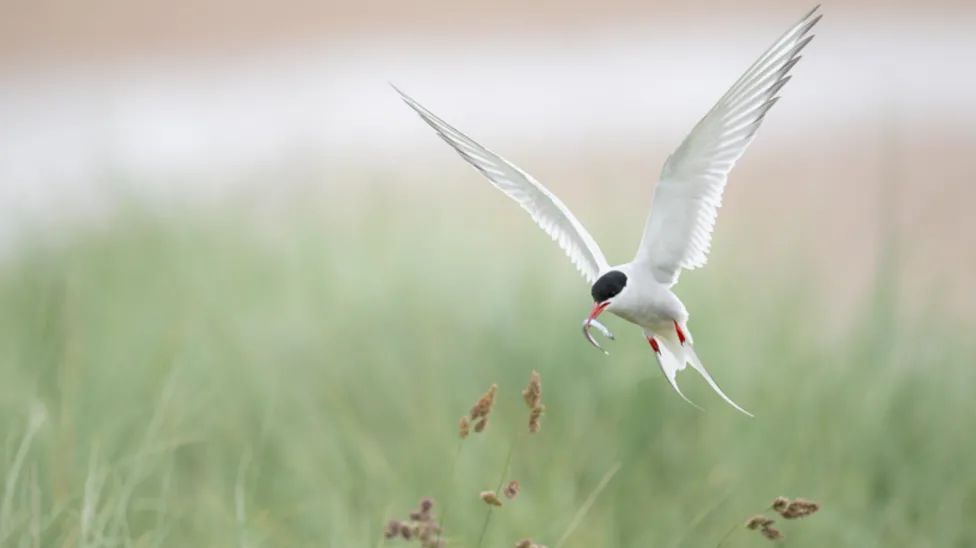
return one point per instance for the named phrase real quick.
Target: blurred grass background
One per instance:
(208, 378)
(245, 295)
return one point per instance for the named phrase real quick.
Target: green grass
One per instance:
(208, 379)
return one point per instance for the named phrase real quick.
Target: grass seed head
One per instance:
(421, 526)
(422, 513)
(480, 426)
(533, 399)
(757, 521)
(771, 532)
(780, 503)
(533, 392)
(527, 543)
(428, 533)
(511, 489)
(490, 498)
(800, 508)
(482, 408)
(464, 427)
(535, 418)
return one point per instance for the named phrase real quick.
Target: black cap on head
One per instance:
(608, 286)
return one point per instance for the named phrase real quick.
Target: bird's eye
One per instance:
(608, 286)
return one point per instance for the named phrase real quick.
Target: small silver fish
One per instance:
(587, 324)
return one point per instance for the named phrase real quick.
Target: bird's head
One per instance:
(605, 291)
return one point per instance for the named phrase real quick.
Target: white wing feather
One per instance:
(545, 208)
(679, 228)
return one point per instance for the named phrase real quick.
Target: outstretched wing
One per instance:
(678, 232)
(545, 208)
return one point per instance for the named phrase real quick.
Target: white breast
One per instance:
(645, 301)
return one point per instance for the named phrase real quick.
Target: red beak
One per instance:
(597, 310)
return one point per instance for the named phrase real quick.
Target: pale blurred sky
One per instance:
(150, 88)
(191, 99)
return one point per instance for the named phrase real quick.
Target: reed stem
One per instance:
(498, 489)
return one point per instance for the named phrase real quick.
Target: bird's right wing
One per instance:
(678, 232)
(546, 209)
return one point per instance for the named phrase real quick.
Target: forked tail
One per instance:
(674, 351)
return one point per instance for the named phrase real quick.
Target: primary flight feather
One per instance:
(678, 231)
(546, 209)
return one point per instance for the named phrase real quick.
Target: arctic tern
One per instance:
(677, 234)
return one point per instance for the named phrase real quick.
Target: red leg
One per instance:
(681, 334)
(654, 346)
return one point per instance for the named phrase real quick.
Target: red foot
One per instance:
(681, 334)
(654, 345)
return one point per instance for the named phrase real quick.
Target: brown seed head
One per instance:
(483, 406)
(464, 427)
(757, 521)
(425, 533)
(800, 508)
(512, 489)
(392, 529)
(421, 526)
(535, 418)
(422, 513)
(524, 543)
(771, 533)
(490, 498)
(479, 426)
(780, 503)
(429, 535)
(533, 392)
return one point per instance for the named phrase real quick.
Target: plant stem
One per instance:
(498, 488)
(726, 536)
(450, 479)
(581, 513)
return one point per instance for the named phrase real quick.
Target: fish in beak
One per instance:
(591, 322)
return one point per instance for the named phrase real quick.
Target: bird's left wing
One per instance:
(678, 232)
(546, 209)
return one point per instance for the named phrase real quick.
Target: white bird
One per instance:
(678, 231)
